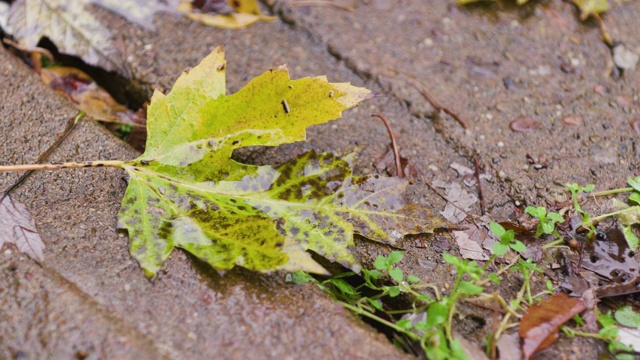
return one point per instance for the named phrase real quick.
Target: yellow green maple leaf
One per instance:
(185, 191)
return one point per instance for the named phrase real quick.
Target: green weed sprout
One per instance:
(547, 221)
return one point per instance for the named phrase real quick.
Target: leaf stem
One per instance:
(66, 165)
(611, 192)
(632, 208)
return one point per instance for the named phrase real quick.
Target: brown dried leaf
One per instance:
(540, 324)
(469, 248)
(88, 97)
(17, 227)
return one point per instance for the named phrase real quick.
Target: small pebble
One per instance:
(524, 124)
(599, 89)
(573, 120)
(625, 58)
(500, 144)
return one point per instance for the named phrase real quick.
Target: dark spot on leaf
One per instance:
(165, 230)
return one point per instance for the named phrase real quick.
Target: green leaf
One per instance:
(374, 274)
(518, 246)
(496, 229)
(627, 317)
(499, 249)
(381, 263)
(343, 286)
(631, 237)
(606, 320)
(186, 192)
(298, 277)
(469, 288)
(437, 313)
(635, 197)
(394, 291)
(555, 217)
(538, 212)
(394, 257)
(413, 279)
(397, 275)
(590, 7)
(549, 285)
(375, 303)
(450, 259)
(404, 324)
(634, 182)
(494, 278)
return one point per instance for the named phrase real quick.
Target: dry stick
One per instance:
(71, 125)
(480, 196)
(436, 104)
(396, 154)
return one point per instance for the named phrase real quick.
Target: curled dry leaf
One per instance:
(540, 324)
(88, 97)
(17, 227)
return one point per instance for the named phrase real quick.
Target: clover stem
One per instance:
(66, 165)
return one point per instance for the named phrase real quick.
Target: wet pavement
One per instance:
(492, 65)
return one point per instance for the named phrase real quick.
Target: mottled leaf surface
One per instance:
(186, 192)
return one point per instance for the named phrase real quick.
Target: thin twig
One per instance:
(477, 174)
(436, 104)
(396, 153)
(71, 125)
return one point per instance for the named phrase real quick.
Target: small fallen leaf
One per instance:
(17, 227)
(4, 15)
(87, 96)
(459, 200)
(540, 324)
(629, 337)
(509, 347)
(139, 11)
(69, 25)
(246, 12)
(469, 249)
(627, 317)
